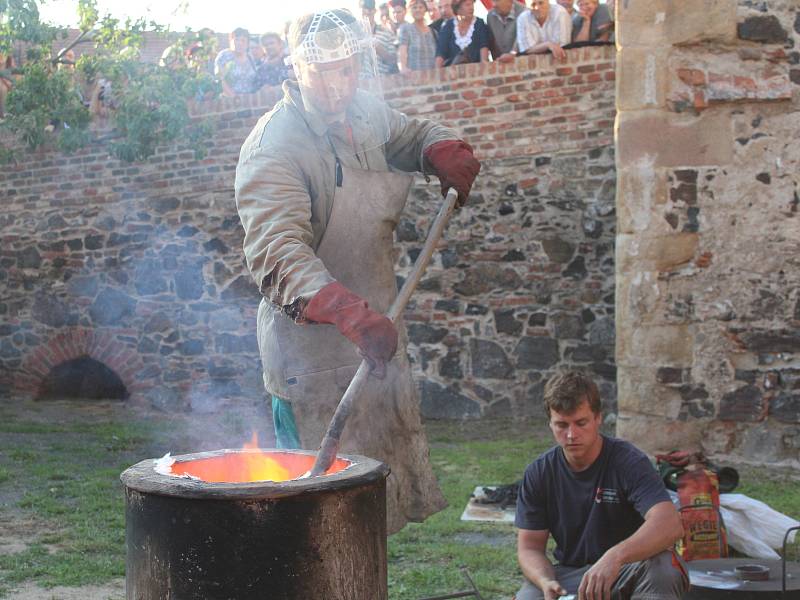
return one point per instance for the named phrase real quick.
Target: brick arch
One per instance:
(77, 342)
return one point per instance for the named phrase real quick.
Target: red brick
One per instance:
(442, 107)
(691, 76)
(704, 260)
(745, 83)
(699, 100)
(718, 78)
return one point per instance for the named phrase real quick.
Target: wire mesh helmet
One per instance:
(331, 36)
(336, 65)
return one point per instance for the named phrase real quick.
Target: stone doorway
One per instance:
(82, 378)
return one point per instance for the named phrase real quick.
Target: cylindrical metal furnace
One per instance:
(321, 537)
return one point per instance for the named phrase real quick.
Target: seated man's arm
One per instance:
(534, 563)
(661, 529)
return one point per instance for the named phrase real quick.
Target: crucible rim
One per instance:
(143, 477)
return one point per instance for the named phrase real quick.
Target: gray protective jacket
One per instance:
(285, 183)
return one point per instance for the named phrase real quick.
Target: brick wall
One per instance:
(708, 285)
(139, 266)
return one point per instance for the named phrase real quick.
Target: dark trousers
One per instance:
(657, 578)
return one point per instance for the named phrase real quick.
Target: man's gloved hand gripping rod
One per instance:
(330, 443)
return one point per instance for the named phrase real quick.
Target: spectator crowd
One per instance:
(408, 36)
(417, 35)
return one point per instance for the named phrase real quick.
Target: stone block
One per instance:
(576, 269)
(655, 253)
(658, 23)
(450, 366)
(505, 322)
(29, 258)
(227, 343)
(50, 310)
(742, 404)
(242, 288)
(670, 140)
(483, 278)
(641, 196)
(697, 81)
(440, 402)
(489, 360)
(568, 326)
(771, 342)
(641, 78)
(420, 333)
(656, 434)
(536, 353)
(112, 307)
(766, 29)
(639, 392)
(601, 332)
(786, 407)
(558, 250)
(663, 345)
(189, 282)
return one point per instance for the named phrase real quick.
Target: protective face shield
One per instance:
(336, 65)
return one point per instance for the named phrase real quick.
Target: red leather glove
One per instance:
(455, 166)
(373, 333)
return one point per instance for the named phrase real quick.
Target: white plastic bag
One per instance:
(754, 529)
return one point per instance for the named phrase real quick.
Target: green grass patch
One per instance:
(426, 559)
(66, 475)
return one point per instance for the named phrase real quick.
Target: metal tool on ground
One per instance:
(718, 579)
(473, 593)
(330, 442)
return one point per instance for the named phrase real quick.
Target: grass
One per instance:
(425, 559)
(71, 487)
(65, 475)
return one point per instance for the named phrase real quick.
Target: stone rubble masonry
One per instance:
(139, 266)
(707, 270)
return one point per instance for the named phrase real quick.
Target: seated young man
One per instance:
(603, 503)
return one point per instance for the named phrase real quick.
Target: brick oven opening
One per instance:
(82, 378)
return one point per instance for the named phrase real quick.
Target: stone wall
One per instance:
(139, 266)
(708, 277)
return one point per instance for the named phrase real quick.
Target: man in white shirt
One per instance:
(544, 28)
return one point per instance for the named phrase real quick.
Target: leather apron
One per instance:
(311, 365)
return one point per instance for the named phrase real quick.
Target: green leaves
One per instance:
(87, 14)
(52, 104)
(43, 103)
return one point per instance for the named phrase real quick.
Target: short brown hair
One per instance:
(564, 392)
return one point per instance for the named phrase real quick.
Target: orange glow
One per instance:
(252, 464)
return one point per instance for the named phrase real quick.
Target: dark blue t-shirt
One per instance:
(589, 512)
(447, 48)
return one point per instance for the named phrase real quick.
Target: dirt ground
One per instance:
(112, 591)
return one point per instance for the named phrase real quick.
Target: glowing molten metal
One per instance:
(252, 464)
